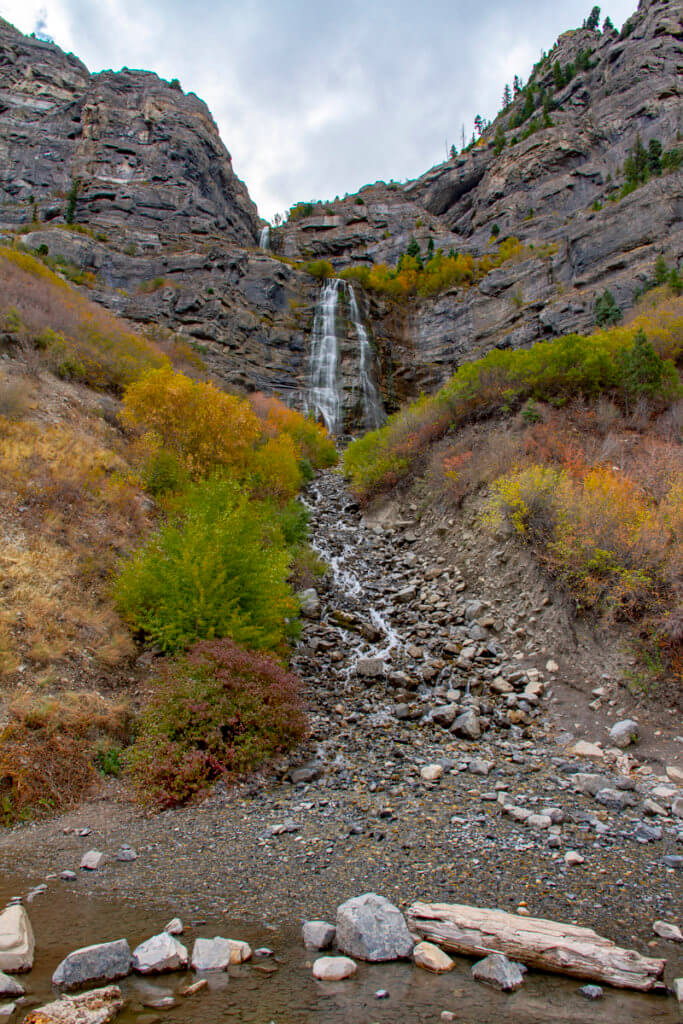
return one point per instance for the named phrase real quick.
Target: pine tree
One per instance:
(516, 86)
(507, 96)
(499, 140)
(593, 19)
(558, 77)
(479, 125)
(607, 25)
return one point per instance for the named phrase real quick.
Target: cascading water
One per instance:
(373, 413)
(341, 364)
(264, 237)
(323, 398)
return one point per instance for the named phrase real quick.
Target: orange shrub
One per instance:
(206, 428)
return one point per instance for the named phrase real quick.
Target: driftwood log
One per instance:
(534, 941)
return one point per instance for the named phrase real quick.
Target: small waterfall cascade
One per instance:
(341, 388)
(264, 237)
(373, 413)
(323, 397)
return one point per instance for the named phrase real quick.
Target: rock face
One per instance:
(371, 928)
(105, 961)
(16, 940)
(96, 1007)
(170, 232)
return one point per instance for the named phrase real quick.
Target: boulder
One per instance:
(9, 988)
(218, 954)
(16, 940)
(96, 1007)
(318, 934)
(467, 724)
(369, 927)
(499, 972)
(668, 931)
(445, 715)
(333, 968)
(429, 956)
(615, 799)
(624, 733)
(431, 772)
(106, 961)
(158, 954)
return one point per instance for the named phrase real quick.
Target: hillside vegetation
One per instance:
(578, 441)
(164, 519)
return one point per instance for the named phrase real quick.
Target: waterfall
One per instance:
(341, 389)
(373, 413)
(323, 398)
(264, 237)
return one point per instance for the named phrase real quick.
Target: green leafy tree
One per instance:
(499, 140)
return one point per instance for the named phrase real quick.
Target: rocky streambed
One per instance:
(434, 771)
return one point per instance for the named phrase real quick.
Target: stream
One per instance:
(399, 652)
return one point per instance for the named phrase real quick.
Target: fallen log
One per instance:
(534, 941)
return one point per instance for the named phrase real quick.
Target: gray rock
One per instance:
(615, 799)
(673, 860)
(105, 961)
(665, 930)
(333, 968)
(370, 668)
(96, 1007)
(68, 876)
(92, 860)
(9, 987)
(499, 972)
(677, 807)
(174, 926)
(160, 953)
(624, 733)
(445, 714)
(306, 772)
(318, 934)
(588, 783)
(467, 725)
(126, 854)
(369, 927)
(478, 766)
(591, 992)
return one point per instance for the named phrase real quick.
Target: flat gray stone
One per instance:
(211, 954)
(369, 927)
(624, 733)
(92, 860)
(467, 724)
(105, 961)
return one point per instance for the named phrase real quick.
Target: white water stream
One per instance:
(373, 412)
(264, 237)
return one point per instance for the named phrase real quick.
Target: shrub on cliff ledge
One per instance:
(219, 710)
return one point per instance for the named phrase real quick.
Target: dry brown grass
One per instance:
(71, 507)
(47, 749)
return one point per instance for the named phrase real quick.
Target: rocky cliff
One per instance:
(170, 233)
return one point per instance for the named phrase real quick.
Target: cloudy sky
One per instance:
(315, 100)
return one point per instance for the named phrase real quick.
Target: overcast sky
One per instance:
(314, 100)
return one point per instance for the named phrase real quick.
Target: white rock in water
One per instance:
(431, 772)
(211, 954)
(318, 934)
(678, 989)
(160, 953)
(429, 956)
(7, 1010)
(96, 1007)
(622, 734)
(333, 968)
(369, 927)
(16, 940)
(667, 931)
(10, 987)
(174, 926)
(92, 860)
(370, 668)
(571, 858)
